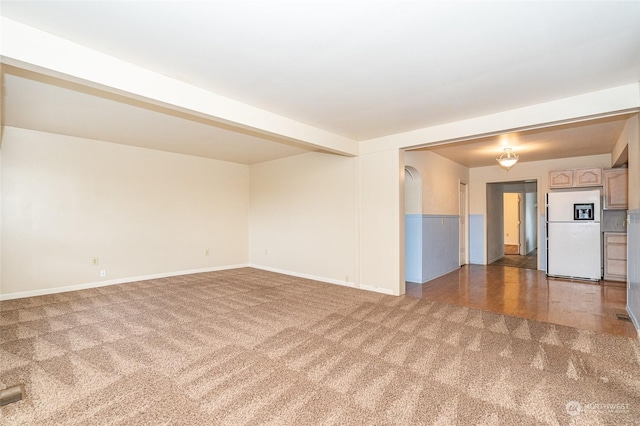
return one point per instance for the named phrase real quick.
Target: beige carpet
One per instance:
(252, 347)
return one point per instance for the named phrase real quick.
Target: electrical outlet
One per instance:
(206, 252)
(266, 251)
(103, 273)
(94, 261)
(346, 278)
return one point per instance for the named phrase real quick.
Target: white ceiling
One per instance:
(361, 69)
(36, 102)
(570, 140)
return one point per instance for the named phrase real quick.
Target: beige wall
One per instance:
(627, 148)
(631, 134)
(539, 170)
(331, 217)
(440, 180)
(144, 212)
(381, 230)
(412, 191)
(141, 212)
(147, 213)
(303, 216)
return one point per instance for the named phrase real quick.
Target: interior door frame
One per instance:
(492, 236)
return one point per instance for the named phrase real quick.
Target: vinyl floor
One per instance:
(528, 293)
(530, 261)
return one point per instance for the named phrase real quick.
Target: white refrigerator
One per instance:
(574, 235)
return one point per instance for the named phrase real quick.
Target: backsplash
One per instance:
(614, 221)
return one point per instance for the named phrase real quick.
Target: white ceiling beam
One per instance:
(26, 47)
(603, 103)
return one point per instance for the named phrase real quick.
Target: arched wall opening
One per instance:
(412, 191)
(413, 225)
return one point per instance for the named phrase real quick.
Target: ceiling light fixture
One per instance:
(508, 159)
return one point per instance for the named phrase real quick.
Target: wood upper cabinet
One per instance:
(616, 194)
(589, 177)
(561, 179)
(615, 256)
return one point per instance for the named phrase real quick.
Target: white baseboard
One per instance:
(376, 289)
(307, 276)
(413, 279)
(43, 292)
(325, 280)
(65, 289)
(438, 276)
(634, 320)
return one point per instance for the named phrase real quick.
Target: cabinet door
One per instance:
(589, 177)
(615, 189)
(561, 179)
(615, 256)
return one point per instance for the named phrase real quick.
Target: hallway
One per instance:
(530, 294)
(530, 261)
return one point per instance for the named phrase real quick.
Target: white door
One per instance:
(511, 217)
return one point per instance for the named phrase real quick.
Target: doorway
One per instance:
(512, 224)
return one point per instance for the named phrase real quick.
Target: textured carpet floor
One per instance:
(252, 347)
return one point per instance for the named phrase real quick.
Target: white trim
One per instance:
(326, 280)
(307, 276)
(494, 259)
(602, 103)
(382, 290)
(65, 289)
(634, 320)
(437, 276)
(85, 286)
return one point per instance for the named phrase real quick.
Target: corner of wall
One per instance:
(1, 209)
(476, 239)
